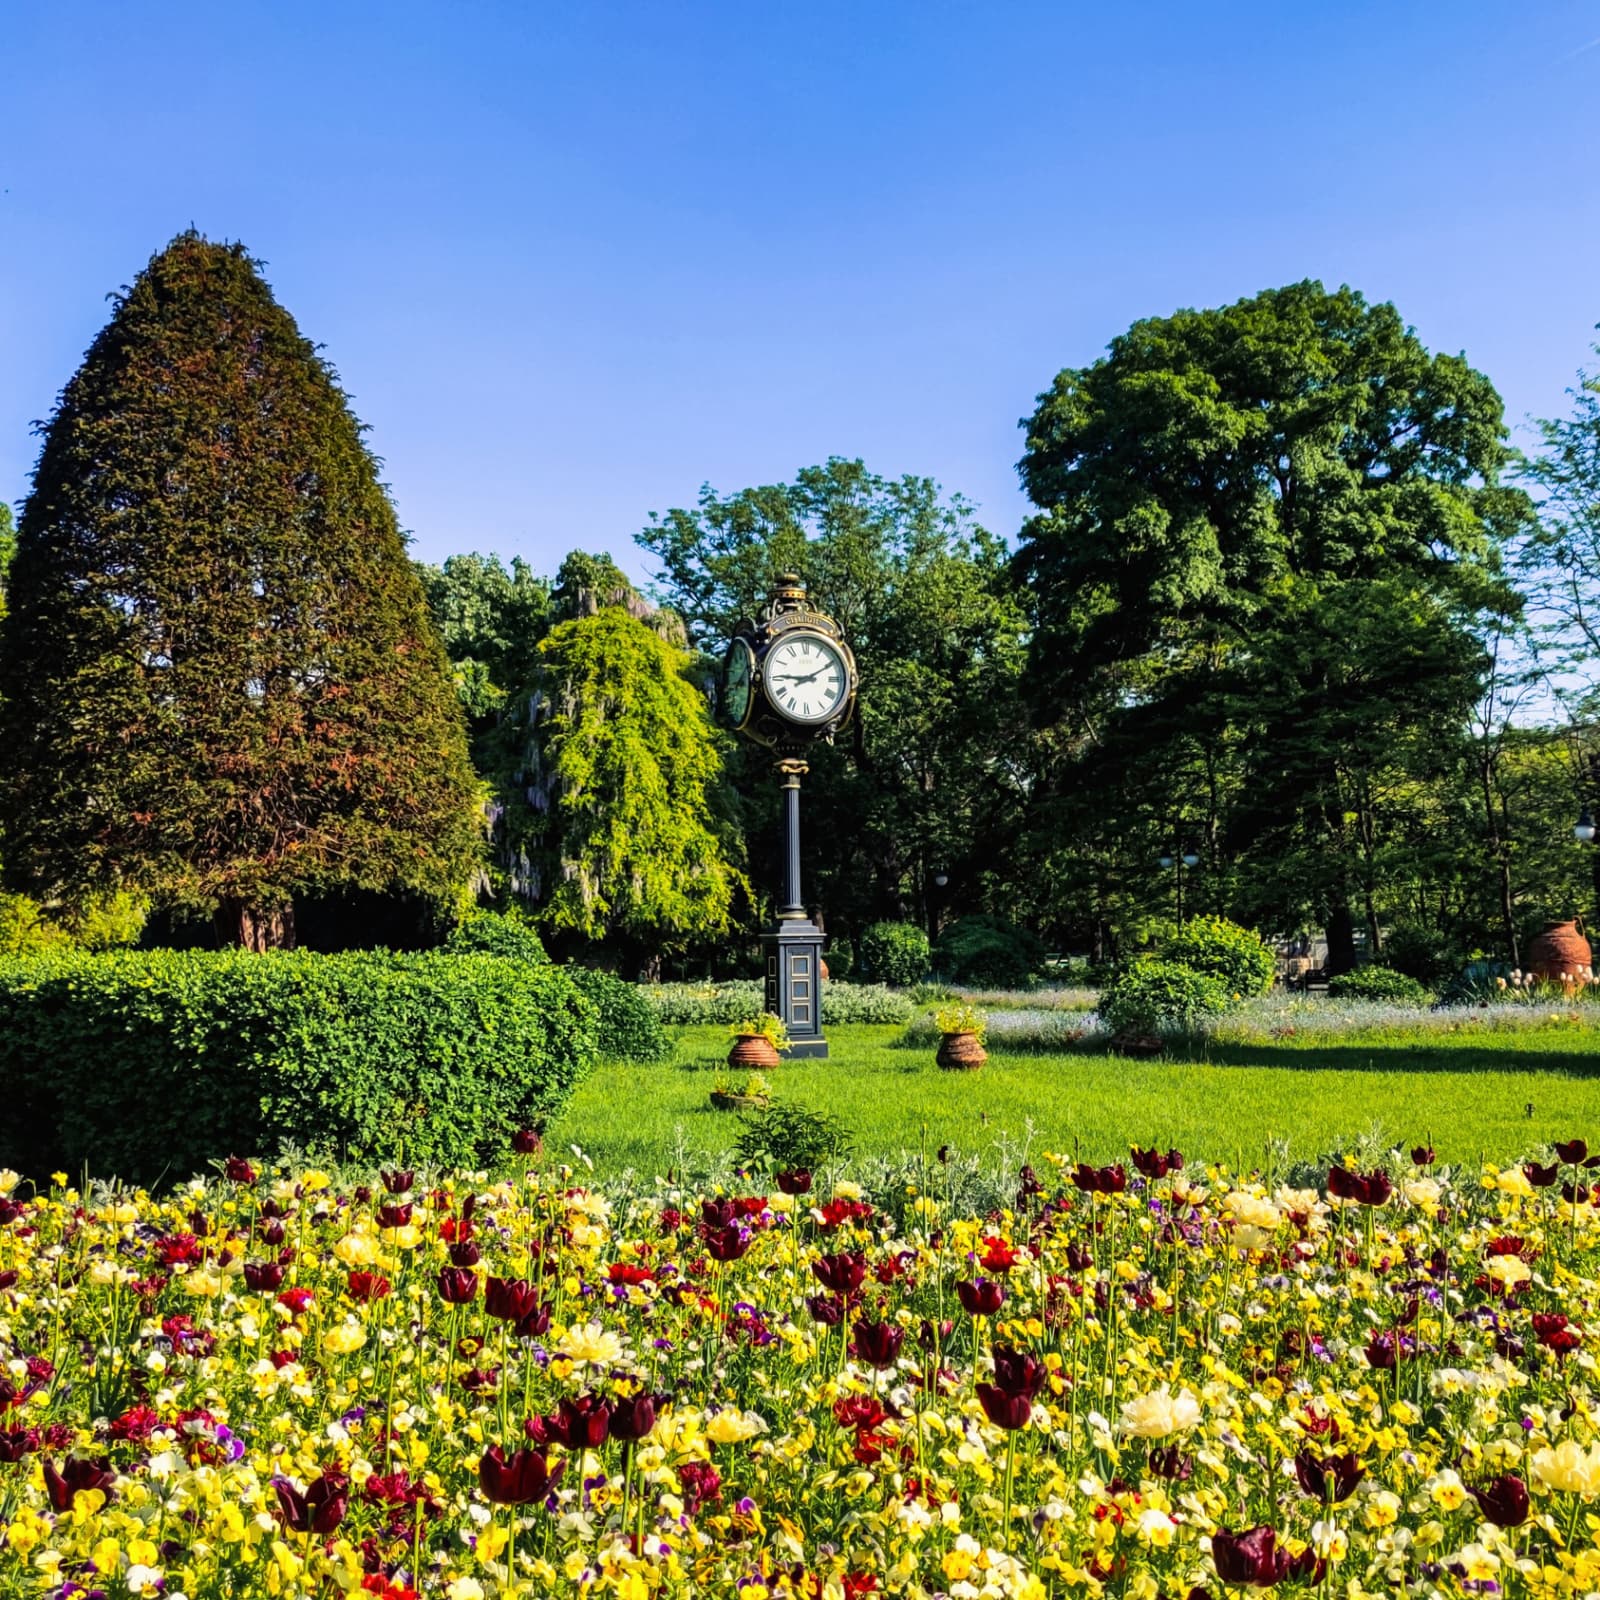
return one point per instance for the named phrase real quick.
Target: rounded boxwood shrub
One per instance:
(1150, 996)
(1378, 983)
(497, 933)
(895, 953)
(988, 953)
(1238, 958)
(629, 1029)
(148, 1065)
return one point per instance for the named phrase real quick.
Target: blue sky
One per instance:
(574, 260)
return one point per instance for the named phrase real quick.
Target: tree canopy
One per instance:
(221, 683)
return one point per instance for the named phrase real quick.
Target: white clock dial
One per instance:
(806, 677)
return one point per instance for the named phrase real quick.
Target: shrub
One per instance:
(497, 933)
(628, 1027)
(1149, 996)
(1238, 958)
(845, 1003)
(840, 958)
(989, 951)
(1422, 951)
(146, 1064)
(894, 952)
(1378, 983)
(787, 1137)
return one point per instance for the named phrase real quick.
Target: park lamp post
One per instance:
(1186, 859)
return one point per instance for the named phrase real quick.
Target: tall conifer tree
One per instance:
(221, 683)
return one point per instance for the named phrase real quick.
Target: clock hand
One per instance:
(790, 677)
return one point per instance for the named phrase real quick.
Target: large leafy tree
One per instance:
(221, 683)
(932, 777)
(624, 839)
(1266, 547)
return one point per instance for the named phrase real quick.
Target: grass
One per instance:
(1473, 1091)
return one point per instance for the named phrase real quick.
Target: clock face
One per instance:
(738, 676)
(806, 677)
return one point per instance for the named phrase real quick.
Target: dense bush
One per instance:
(145, 1064)
(1378, 983)
(1236, 957)
(629, 1029)
(1149, 996)
(1422, 951)
(988, 951)
(894, 952)
(497, 933)
(699, 1004)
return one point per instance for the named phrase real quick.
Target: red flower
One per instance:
(263, 1276)
(1540, 1177)
(797, 1181)
(980, 1298)
(580, 1424)
(394, 1216)
(457, 1285)
(1099, 1180)
(634, 1417)
(859, 1411)
(998, 1256)
(727, 1243)
(398, 1182)
(320, 1509)
(1153, 1164)
(1017, 1372)
(843, 1273)
(1365, 1188)
(509, 1299)
(366, 1286)
(1503, 1501)
(1330, 1480)
(702, 1485)
(627, 1272)
(77, 1475)
(1004, 1410)
(878, 1343)
(1422, 1156)
(526, 1142)
(296, 1299)
(1246, 1558)
(237, 1170)
(518, 1479)
(534, 1324)
(1573, 1151)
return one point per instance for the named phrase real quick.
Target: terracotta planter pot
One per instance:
(1560, 949)
(961, 1052)
(723, 1101)
(753, 1052)
(822, 967)
(1142, 1044)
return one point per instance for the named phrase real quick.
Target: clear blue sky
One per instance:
(573, 260)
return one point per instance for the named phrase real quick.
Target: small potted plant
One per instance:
(757, 1042)
(749, 1093)
(961, 1047)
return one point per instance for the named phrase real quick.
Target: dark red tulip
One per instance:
(1503, 1501)
(270, 1231)
(391, 1215)
(878, 1343)
(580, 1424)
(1246, 1558)
(1422, 1155)
(398, 1182)
(1329, 1480)
(931, 1335)
(518, 1479)
(843, 1273)
(1100, 1180)
(1153, 1164)
(1017, 1372)
(509, 1299)
(1169, 1462)
(465, 1253)
(728, 1243)
(633, 1418)
(77, 1475)
(367, 1286)
(534, 1323)
(797, 1181)
(826, 1309)
(1573, 1151)
(718, 1213)
(1540, 1177)
(1004, 1410)
(17, 1443)
(237, 1170)
(457, 1285)
(320, 1509)
(982, 1297)
(1365, 1188)
(526, 1142)
(263, 1276)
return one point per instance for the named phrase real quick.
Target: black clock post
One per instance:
(789, 681)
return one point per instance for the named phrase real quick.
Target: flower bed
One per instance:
(1152, 1380)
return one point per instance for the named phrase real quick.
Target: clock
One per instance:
(806, 677)
(738, 681)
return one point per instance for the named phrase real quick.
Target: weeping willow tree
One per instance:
(627, 839)
(220, 682)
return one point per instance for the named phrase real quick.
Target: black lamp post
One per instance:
(1186, 859)
(1583, 830)
(789, 681)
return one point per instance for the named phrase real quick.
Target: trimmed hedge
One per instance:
(1378, 983)
(681, 1005)
(1238, 958)
(148, 1065)
(629, 1029)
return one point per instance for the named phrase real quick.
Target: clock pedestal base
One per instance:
(793, 950)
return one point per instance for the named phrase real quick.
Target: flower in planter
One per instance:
(766, 1026)
(961, 1018)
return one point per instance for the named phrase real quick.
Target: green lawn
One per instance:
(1491, 1093)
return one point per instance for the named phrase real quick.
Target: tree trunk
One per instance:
(256, 928)
(1341, 931)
